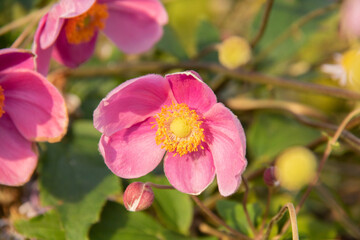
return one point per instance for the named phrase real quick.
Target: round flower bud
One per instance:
(270, 178)
(295, 168)
(138, 196)
(234, 52)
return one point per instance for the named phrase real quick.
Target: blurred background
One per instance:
(279, 93)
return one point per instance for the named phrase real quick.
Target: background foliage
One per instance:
(81, 199)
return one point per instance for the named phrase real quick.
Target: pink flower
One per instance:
(31, 109)
(68, 32)
(350, 18)
(147, 117)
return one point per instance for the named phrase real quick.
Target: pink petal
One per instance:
(34, 105)
(15, 58)
(71, 8)
(190, 89)
(350, 18)
(190, 173)
(72, 55)
(52, 26)
(132, 32)
(43, 56)
(226, 139)
(152, 8)
(131, 102)
(132, 152)
(17, 156)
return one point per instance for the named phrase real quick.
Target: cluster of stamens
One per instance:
(2, 99)
(82, 28)
(179, 129)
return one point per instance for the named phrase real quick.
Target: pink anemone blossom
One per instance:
(68, 32)
(350, 19)
(177, 116)
(31, 109)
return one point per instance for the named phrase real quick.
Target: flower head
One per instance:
(346, 68)
(31, 110)
(177, 116)
(68, 32)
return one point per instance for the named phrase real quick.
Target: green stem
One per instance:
(216, 219)
(264, 22)
(277, 217)
(252, 77)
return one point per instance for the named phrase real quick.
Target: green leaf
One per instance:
(185, 16)
(283, 14)
(75, 179)
(207, 35)
(119, 224)
(45, 227)
(269, 134)
(169, 43)
(313, 229)
(233, 213)
(174, 209)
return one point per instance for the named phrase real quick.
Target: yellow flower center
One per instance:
(351, 63)
(82, 28)
(2, 99)
(179, 129)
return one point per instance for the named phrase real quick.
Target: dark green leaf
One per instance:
(269, 134)
(175, 209)
(44, 227)
(75, 179)
(233, 213)
(170, 44)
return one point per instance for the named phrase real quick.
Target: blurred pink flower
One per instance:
(68, 32)
(31, 109)
(350, 18)
(147, 117)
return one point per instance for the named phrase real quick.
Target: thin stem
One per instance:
(216, 219)
(298, 111)
(277, 217)
(267, 207)
(159, 186)
(295, 26)
(264, 22)
(24, 34)
(326, 154)
(244, 203)
(338, 212)
(204, 228)
(24, 20)
(216, 68)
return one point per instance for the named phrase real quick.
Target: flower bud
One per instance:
(295, 168)
(234, 52)
(270, 178)
(138, 196)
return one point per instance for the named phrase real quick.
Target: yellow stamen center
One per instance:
(82, 28)
(2, 99)
(179, 129)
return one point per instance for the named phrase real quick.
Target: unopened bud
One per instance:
(295, 167)
(234, 52)
(270, 178)
(138, 196)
